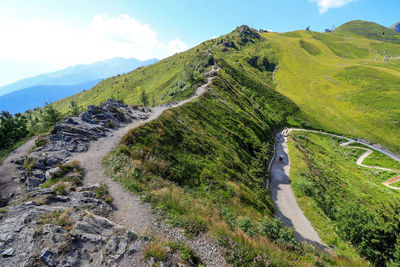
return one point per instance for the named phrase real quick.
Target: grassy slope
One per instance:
(346, 203)
(369, 30)
(337, 84)
(203, 164)
(340, 87)
(381, 160)
(163, 82)
(313, 72)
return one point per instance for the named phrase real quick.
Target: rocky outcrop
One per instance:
(247, 34)
(65, 231)
(74, 135)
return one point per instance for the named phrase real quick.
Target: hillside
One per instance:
(79, 74)
(342, 86)
(336, 83)
(202, 166)
(347, 203)
(369, 30)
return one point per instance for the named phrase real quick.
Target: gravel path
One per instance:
(129, 210)
(284, 199)
(8, 170)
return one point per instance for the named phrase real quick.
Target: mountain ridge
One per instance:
(79, 73)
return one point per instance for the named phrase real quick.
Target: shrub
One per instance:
(57, 218)
(123, 149)
(50, 116)
(304, 185)
(101, 191)
(61, 188)
(156, 250)
(28, 165)
(40, 141)
(247, 226)
(276, 231)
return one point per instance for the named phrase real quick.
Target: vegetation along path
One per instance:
(283, 196)
(129, 210)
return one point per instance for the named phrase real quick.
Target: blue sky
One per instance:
(46, 35)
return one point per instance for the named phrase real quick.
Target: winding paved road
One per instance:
(284, 199)
(282, 194)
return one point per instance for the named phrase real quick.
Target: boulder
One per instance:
(33, 182)
(8, 252)
(52, 173)
(48, 258)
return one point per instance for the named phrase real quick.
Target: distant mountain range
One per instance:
(396, 27)
(35, 91)
(28, 98)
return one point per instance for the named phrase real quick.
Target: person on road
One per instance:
(281, 158)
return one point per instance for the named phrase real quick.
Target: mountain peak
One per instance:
(245, 31)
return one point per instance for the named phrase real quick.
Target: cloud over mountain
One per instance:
(60, 45)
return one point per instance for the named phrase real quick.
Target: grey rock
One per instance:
(41, 191)
(3, 201)
(33, 182)
(48, 258)
(90, 187)
(136, 246)
(61, 198)
(8, 252)
(52, 172)
(51, 161)
(97, 225)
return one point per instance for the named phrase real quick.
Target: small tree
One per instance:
(144, 98)
(50, 116)
(12, 128)
(75, 111)
(210, 60)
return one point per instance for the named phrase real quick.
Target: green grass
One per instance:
(310, 48)
(333, 79)
(173, 78)
(369, 30)
(381, 160)
(346, 203)
(202, 165)
(396, 184)
(70, 172)
(353, 96)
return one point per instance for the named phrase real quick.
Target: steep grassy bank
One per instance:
(346, 203)
(203, 165)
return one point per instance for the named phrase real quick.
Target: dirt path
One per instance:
(8, 170)
(282, 194)
(129, 210)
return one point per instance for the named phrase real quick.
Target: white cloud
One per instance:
(58, 45)
(176, 46)
(324, 5)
